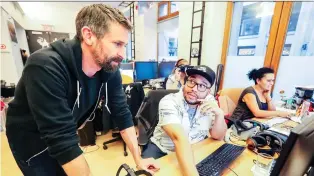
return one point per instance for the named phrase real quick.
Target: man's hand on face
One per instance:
(208, 107)
(149, 164)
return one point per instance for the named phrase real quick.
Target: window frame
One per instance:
(169, 14)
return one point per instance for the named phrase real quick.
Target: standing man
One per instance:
(59, 90)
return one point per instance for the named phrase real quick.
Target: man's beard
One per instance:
(104, 61)
(191, 103)
(106, 65)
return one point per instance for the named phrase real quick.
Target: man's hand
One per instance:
(149, 164)
(208, 107)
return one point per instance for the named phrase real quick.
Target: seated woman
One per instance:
(255, 101)
(176, 79)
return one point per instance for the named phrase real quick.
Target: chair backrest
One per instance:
(147, 115)
(135, 94)
(228, 99)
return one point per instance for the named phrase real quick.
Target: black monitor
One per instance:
(297, 155)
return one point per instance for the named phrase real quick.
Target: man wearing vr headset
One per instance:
(176, 79)
(187, 117)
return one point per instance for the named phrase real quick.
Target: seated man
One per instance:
(187, 117)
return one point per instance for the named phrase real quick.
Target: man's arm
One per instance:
(219, 129)
(182, 148)
(78, 166)
(169, 120)
(124, 120)
(46, 93)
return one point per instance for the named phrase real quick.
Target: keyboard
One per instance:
(216, 162)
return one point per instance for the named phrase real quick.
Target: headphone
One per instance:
(257, 142)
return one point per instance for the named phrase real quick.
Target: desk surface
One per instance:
(241, 166)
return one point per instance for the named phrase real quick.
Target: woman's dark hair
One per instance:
(260, 73)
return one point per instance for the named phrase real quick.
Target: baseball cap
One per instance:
(204, 71)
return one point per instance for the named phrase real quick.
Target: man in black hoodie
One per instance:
(59, 90)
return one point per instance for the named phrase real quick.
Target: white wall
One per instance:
(11, 60)
(214, 22)
(146, 34)
(293, 71)
(21, 37)
(167, 28)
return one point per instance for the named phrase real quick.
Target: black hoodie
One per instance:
(54, 98)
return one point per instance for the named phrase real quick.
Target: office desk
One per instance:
(241, 166)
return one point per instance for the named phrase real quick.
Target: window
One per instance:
(294, 16)
(250, 22)
(163, 10)
(246, 50)
(286, 50)
(174, 7)
(167, 10)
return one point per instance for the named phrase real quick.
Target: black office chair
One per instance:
(135, 95)
(147, 115)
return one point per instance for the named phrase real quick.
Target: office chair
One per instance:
(147, 115)
(135, 95)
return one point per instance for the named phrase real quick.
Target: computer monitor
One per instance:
(297, 154)
(145, 70)
(126, 66)
(165, 68)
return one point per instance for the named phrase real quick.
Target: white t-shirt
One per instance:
(173, 109)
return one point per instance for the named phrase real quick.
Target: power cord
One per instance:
(85, 152)
(233, 171)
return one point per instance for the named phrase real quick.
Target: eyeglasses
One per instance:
(200, 87)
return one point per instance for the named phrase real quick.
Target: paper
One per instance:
(296, 119)
(276, 120)
(280, 130)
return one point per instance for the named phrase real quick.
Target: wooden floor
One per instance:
(101, 162)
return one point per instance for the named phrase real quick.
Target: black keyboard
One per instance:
(216, 162)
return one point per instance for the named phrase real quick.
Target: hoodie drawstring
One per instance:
(106, 103)
(78, 96)
(93, 113)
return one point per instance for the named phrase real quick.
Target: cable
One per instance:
(85, 152)
(232, 171)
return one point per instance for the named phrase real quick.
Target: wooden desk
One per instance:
(241, 166)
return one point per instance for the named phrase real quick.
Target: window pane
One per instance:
(249, 34)
(163, 10)
(296, 63)
(174, 7)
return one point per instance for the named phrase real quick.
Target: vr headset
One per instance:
(262, 139)
(183, 68)
(131, 172)
(247, 128)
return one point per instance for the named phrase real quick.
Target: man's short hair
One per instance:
(98, 17)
